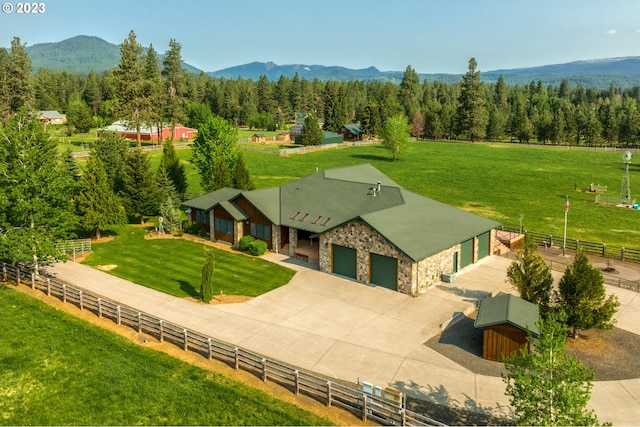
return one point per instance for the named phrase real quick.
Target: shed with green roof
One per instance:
(506, 321)
(353, 221)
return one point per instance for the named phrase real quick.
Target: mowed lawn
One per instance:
(56, 369)
(174, 266)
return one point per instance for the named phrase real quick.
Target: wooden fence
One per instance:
(608, 251)
(369, 407)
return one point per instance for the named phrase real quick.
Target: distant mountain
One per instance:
(624, 72)
(80, 55)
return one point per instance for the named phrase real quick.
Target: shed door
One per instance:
(344, 261)
(483, 245)
(384, 271)
(466, 257)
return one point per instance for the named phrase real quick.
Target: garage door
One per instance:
(483, 245)
(384, 271)
(344, 261)
(466, 256)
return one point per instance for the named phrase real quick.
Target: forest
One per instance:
(466, 110)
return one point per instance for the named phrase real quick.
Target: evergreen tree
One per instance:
(395, 136)
(410, 91)
(197, 114)
(175, 170)
(166, 189)
(170, 215)
(173, 75)
(79, 116)
(111, 149)
(139, 190)
(241, 177)
(548, 387)
(129, 83)
(36, 190)
(471, 111)
(531, 276)
(97, 205)
(206, 283)
(152, 102)
(311, 132)
(582, 294)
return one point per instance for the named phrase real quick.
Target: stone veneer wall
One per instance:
(366, 240)
(429, 270)
(239, 226)
(293, 241)
(212, 225)
(275, 238)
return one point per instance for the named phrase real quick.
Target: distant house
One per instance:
(284, 137)
(259, 137)
(505, 320)
(295, 131)
(354, 222)
(150, 133)
(51, 117)
(351, 132)
(327, 138)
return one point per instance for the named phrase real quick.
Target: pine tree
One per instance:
(152, 102)
(139, 191)
(166, 189)
(410, 91)
(129, 82)
(531, 276)
(582, 294)
(471, 111)
(97, 205)
(36, 190)
(172, 73)
(547, 386)
(241, 177)
(311, 132)
(206, 283)
(112, 150)
(170, 214)
(176, 171)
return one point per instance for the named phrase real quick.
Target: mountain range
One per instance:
(82, 54)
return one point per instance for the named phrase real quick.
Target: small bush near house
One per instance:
(244, 242)
(257, 247)
(191, 228)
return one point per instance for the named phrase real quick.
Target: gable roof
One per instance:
(508, 309)
(354, 128)
(50, 114)
(418, 226)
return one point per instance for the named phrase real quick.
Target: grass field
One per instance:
(174, 266)
(59, 370)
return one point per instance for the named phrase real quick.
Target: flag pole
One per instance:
(564, 240)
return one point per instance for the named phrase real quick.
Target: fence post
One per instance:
(64, 293)
(328, 393)
(99, 301)
(81, 304)
(365, 410)
(118, 315)
(296, 382)
(236, 362)
(4, 271)
(33, 280)
(18, 275)
(604, 250)
(210, 349)
(622, 254)
(264, 369)
(577, 245)
(48, 287)
(403, 417)
(160, 324)
(185, 347)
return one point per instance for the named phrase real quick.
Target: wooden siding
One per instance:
(503, 339)
(255, 216)
(219, 212)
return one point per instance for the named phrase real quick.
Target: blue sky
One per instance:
(431, 36)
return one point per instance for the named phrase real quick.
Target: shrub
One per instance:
(257, 247)
(191, 228)
(244, 242)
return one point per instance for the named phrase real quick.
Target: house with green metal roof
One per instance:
(506, 321)
(355, 222)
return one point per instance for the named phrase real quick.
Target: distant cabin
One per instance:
(505, 320)
(350, 132)
(51, 117)
(258, 137)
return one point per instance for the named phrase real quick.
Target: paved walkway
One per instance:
(351, 331)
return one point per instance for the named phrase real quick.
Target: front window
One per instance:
(261, 231)
(223, 226)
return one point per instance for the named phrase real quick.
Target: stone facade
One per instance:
(275, 238)
(293, 241)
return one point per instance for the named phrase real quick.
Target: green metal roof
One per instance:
(508, 309)
(235, 212)
(266, 200)
(210, 200)
(354, 128)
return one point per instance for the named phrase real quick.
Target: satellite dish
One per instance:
(626, 156)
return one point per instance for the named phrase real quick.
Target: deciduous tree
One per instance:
(395, 135)
(215, 143)
(548, 387)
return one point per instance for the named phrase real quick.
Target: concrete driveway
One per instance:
(352, 331)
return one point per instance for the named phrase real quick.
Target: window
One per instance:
(223, 226)
(261, 231)
(202, 217)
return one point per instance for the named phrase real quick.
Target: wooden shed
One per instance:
(259, 137)
(506, 319)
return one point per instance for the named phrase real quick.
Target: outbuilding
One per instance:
(506, 321)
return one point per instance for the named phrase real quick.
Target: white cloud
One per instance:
(611, 32)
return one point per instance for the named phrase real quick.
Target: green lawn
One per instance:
(59, 370)
(173, 266)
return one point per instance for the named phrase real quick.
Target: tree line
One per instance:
(143, 89)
